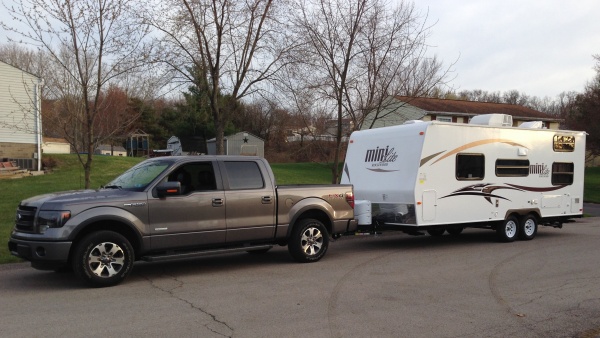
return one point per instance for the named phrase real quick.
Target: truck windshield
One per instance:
(138, 177)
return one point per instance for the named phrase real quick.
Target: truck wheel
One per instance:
(455, 231)
(507, 230)
(103, 258)
(309, 241)
(436, 232)
(528, 228)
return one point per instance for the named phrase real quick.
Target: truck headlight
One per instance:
(52, 219)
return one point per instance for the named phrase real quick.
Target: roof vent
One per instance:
(532, 125)
(412, 121)
(499, 120)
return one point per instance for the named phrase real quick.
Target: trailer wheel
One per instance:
(508, 229)
(103, 258)
(436, 232)
(528, 227)
(309, 241)
(455, 231)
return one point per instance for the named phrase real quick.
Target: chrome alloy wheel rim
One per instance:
(311, 241)
(106, 260)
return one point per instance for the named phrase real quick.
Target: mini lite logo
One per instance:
(539, 169)
(381, 157)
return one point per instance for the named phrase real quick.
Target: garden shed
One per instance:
(242, 143)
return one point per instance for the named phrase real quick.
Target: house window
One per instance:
(512, 168)
(562, 173)
(470, 167)
(443, 118)
(564, 143)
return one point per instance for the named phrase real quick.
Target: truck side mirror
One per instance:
(168, 189)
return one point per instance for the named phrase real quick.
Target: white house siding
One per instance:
(19, 106)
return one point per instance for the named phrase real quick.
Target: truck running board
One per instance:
(194, 254)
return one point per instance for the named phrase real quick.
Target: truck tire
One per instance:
(309, 241)
(507, 230)
(103, 258)
(528, 227)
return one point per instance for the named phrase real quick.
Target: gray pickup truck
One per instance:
(178, 207)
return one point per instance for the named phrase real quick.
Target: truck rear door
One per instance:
(250, 201)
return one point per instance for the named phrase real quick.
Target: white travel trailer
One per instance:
(440, 177)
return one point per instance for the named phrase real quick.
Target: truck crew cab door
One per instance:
(194, 218)
(250, 202)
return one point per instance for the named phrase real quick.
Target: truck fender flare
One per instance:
(306, 205)
(94, 215)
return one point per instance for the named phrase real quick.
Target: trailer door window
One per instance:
(470, 166)
(562, 173)
(512, 168)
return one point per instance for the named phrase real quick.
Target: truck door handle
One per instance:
(266, 200)
(217, 202)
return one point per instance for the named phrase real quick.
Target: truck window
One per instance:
(470, 167)
(512, 168)
(562, 173)
(244, 175)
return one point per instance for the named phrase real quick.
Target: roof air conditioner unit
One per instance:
(499, 120)
(532, 125)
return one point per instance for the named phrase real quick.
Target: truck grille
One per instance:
(25, 218)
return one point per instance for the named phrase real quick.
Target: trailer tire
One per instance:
(455, 231)
(103, 258)
(436, 232)
(528, 227)
(309, 241)
(507, 230)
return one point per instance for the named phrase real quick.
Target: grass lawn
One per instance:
(591, 192)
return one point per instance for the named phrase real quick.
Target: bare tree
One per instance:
(90, 43)
(355, 55)
(236, 45)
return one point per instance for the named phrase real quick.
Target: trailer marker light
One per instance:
(422, 133)
(419, 203)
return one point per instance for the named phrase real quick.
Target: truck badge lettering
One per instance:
(539, 169)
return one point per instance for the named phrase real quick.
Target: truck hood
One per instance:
(60, 200)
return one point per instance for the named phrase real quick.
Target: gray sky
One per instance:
(538, 47)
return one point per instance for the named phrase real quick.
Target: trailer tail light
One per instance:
(350, 199)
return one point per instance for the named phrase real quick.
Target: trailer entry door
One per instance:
(429, 205)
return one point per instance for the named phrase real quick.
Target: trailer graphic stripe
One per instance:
(478, 143)
(542, 189)
(426, 159)
(484, 190)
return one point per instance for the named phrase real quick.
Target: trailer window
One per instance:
(564, 143)
(562, 173)
(470, 166)
(512, 168)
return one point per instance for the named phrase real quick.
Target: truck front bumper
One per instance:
(42, 255)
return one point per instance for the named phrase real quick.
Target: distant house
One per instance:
(20, 118)
(402, 108)
(242, 143)
(51, 145)
(107, 149)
